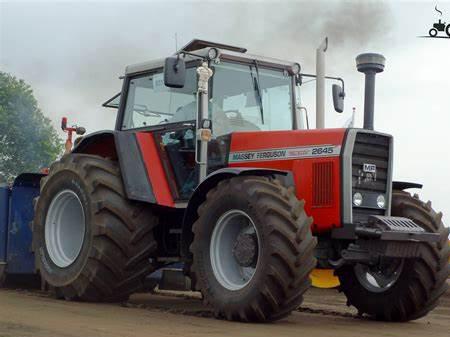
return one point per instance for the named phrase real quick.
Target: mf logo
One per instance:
(368, 174)
(371, 168)
(439, 27)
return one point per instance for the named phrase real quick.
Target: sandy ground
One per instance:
(323, 313)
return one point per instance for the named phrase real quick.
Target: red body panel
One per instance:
(325, 216)
(155, 169)
(316, 175)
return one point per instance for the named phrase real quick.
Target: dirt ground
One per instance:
(323, 313)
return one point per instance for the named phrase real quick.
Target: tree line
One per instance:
(28, 141)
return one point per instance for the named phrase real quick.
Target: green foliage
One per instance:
(28, 141)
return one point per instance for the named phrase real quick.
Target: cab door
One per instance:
(163, 122)
(176, 147)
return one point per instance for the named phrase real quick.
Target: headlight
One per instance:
(296, 68)
(357, 199)
(213, 53)
(381, 202)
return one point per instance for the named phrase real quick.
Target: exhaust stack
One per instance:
(369, 64)
(320, 84)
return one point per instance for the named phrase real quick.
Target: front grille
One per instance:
(370, 149)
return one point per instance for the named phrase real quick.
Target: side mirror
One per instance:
(338, 98)
(80, 130)
(174, 72)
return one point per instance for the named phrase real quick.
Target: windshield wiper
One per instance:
(257, 89)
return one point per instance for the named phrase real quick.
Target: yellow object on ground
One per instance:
(324, 278)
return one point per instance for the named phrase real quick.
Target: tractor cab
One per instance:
(244, 93)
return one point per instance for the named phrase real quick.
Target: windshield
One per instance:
(242, 98)
(150, 102)
(246, 97)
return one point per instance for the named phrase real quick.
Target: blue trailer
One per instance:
(16, 214)
(16, 253)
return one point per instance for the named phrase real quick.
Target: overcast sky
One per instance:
(72, 54)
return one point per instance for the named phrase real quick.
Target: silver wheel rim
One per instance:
(65, 228)
(381, 277)
(227, 271)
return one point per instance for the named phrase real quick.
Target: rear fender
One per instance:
(123, 147)
(101, 143)
(199, 196)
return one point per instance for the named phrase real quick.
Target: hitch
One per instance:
(79, 130)
(381, 236)
(355, 254)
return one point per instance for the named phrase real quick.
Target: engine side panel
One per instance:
(313, 156)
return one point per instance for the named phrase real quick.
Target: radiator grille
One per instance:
(370, 149)
(323, 184)
(373, 149)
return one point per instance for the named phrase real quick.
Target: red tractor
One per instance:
(210, 165)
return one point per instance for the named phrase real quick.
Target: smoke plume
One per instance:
(72, 53)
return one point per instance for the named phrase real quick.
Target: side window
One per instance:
(178, 152)
(149, 102)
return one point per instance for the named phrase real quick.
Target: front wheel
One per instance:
(433, 32)
(252, 249)
(402, 289)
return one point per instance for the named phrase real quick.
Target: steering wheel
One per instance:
(240, 119)
(231, 111)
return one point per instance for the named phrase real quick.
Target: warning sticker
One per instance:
(286, 153)
(158, 83)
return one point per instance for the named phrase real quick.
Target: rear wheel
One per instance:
(402, 289)
(252, 250)
(90, 242)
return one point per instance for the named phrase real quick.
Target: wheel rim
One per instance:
(381, 277)
(231, 272)
(65, 228)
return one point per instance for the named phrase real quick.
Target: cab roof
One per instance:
(226, 52)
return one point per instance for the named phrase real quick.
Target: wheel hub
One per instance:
(65, 228)
(245, 249)
(380, 277)
(234, 249)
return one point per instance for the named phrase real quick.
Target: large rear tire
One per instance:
(252, 250)
(412, 287)
(90, 242)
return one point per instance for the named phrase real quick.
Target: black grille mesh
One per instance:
(374, 149)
